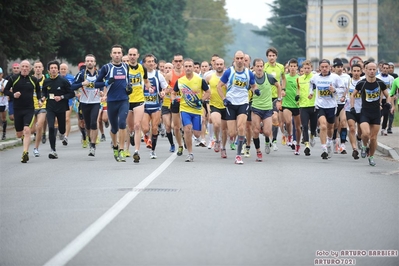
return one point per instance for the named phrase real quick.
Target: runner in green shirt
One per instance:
(291, 107)
(262, 108)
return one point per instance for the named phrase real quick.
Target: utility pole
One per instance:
(321, 31)
(354, 17)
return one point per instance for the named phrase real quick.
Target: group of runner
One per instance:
(237, 103)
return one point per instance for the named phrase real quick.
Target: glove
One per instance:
(226, 102)
(109, 81)
(297, 98)
(353, 110)
(129, 89)
(257, 92)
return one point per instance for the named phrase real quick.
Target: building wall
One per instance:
(337, 28)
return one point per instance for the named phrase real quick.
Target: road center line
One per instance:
(81, 241)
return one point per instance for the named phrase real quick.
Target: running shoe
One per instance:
(172, 148)
(216, 147)
(359, 145)
(324, 155)
(180, 151)
(36, 152)
(136, 157)
(25, 157)
(371, 161)
(232, 146)
(202, 143)
(4, 137)
(355, 154)
(211, 144)
(274, 145)
(297, 147)
(238, 160)
(223, 153)
(196, 141)
(92, 151)
(259, 156)
(153, 155)
(132, 140)
(343, 149)
(389, 131)
(382, 132)
(307, 151)
(190, 158)
(149, 144)
(336, 146)
(85, 143)
(329, 149)
(116, 155)
(312, 141)
(363, 152)
(127, 153)
(289, 141)
(53, 155)
(283, 140)
(247, 153)
(65, 141)
(267, 147)
(122, 156)
(103, 138)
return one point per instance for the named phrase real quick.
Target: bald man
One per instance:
(23, 88)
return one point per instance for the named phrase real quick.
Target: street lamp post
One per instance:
(297, 29)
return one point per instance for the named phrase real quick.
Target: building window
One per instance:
(342, 21)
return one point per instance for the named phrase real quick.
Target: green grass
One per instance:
(396, 119)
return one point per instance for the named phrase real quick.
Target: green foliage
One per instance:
(26, 31)
(247, 41)
(97, 25)
(162, 32)
(208, 29)
(290, 43)
(388, 35)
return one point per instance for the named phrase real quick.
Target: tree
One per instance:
(27, 31)
(162, 32)
(289, 43)
(388, 35)
(249, 42)
(97, 25)
(209, 31)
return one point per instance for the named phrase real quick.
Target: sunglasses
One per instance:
(178, 61)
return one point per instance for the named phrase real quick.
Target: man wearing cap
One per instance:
(21, 88)
(340, 117)
(3, 104)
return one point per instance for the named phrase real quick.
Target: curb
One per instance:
(387, 151)
(17, 142)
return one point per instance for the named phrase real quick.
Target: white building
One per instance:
(337, 28)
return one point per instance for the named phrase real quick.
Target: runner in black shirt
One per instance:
(57, 91)
(20, 88)
(370, 90)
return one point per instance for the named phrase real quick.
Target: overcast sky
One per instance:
(249, 11)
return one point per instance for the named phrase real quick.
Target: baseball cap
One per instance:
(337, 62)
(391, 64)
(1, 70)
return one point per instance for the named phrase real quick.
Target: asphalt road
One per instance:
(80, 210)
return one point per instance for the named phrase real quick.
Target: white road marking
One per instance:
(73, 248)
